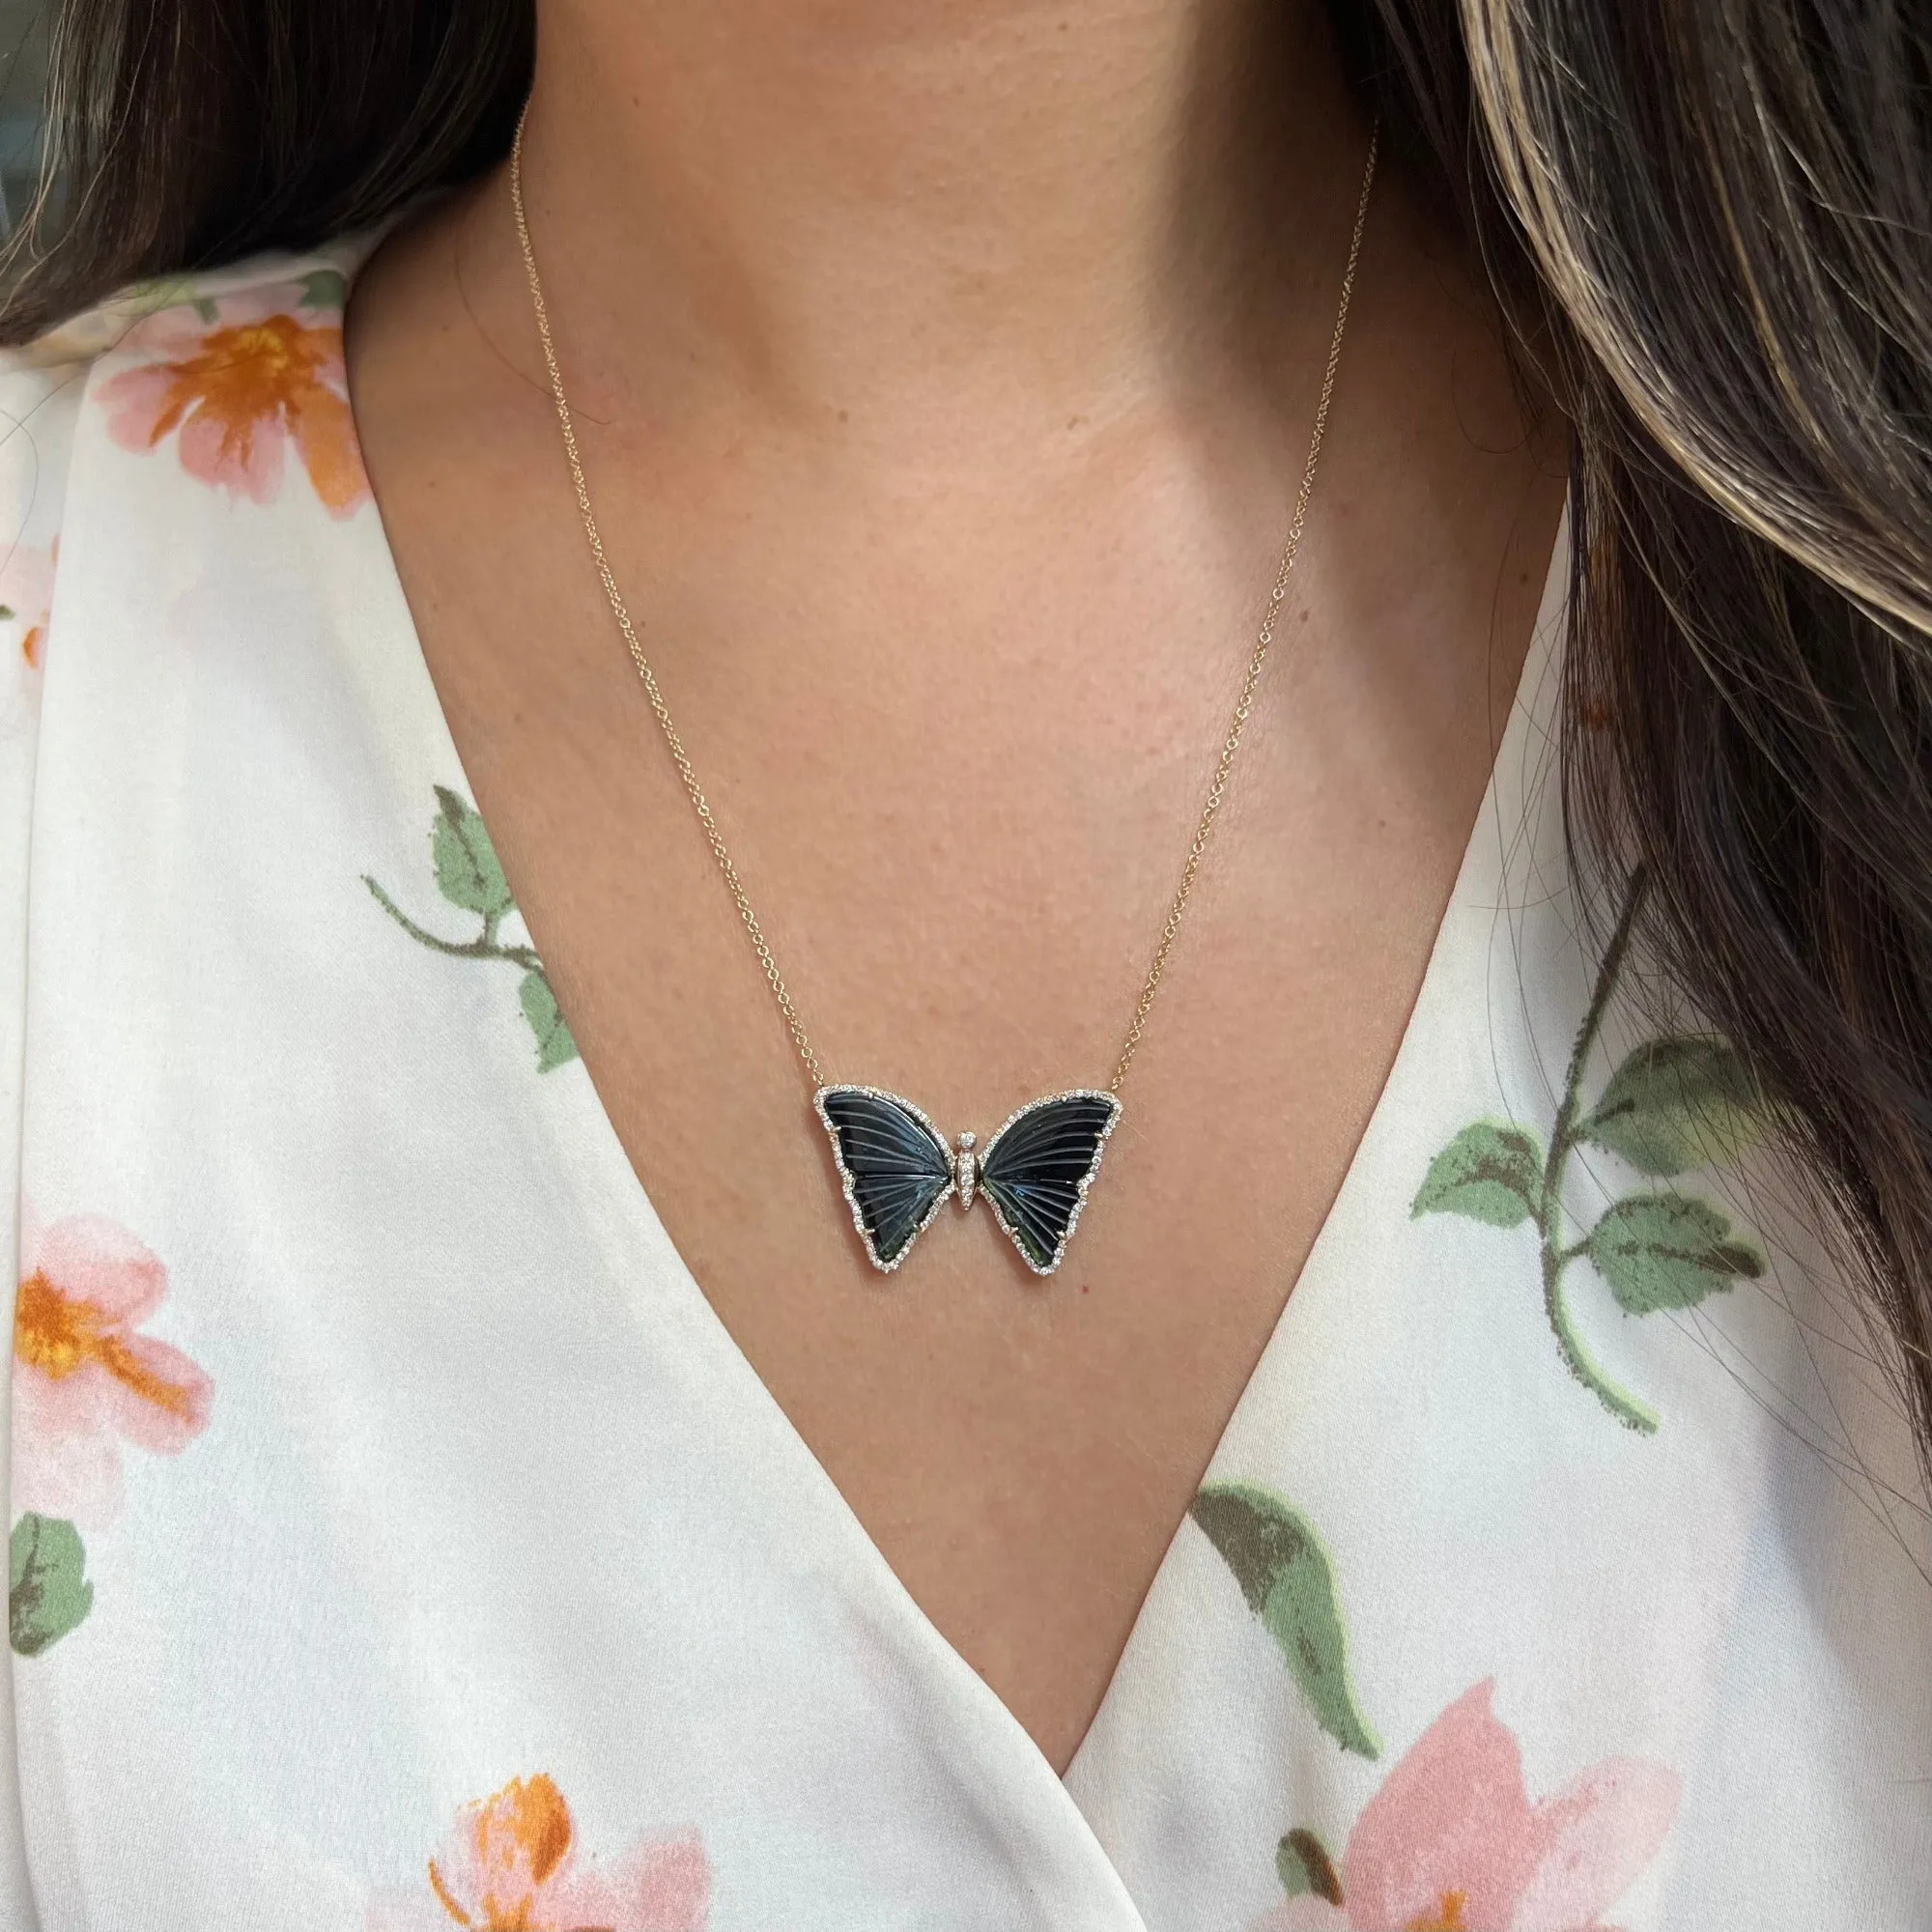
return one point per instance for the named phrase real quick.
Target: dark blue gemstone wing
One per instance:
(894, 1167)
(1036, 1169)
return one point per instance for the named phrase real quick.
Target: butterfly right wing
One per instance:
(895, 1168)
(1036, 1169)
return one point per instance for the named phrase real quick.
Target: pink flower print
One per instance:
(511, 1865)
(84, 1379)
(26, 591)
(237, 392)
(1452, 1843)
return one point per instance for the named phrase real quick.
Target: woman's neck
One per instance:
(957, 207)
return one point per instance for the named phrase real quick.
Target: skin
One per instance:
(945, 376)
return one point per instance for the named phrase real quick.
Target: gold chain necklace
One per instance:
(893, 1165)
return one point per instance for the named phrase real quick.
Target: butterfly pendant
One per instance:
(898, 1169)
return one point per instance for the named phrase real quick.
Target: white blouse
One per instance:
(399, 1540)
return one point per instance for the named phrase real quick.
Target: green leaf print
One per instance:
(48, 1591)
(1682, 1102)
(159, 292)
(325, 288)
(1686, 1100)
(467, 872)
(555, 1045)
(1667, 1250)
(469, 875)
(1492, 1174)
(1302, 1863)
(1286, 1576)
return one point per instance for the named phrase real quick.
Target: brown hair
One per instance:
(1712, 227)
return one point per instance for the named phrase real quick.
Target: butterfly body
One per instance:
(897, 1169)
(965, 1171)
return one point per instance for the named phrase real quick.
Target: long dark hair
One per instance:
(1710, 226)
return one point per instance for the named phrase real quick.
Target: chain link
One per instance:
(687, 772)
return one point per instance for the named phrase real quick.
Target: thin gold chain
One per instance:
(1210, 809)
(1230, 745)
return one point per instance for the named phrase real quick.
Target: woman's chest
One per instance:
(957, 765)
(400, 1526)
(399, 1536)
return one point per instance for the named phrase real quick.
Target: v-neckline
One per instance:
(623, 1190)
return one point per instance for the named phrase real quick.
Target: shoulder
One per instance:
(224, 384)
(223, 367)
(163, 309)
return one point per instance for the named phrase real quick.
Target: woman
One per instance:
(844, 453)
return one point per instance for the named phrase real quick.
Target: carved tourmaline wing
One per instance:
(896, 1170)
(1038, 1168)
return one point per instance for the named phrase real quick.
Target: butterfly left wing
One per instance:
(895, 1168)
(1038, 1168)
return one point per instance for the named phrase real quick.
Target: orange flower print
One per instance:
(85, 1381)
(239, 391)
(26, 591)
(511, 1865)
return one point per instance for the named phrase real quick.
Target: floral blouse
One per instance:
(399, 1540)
